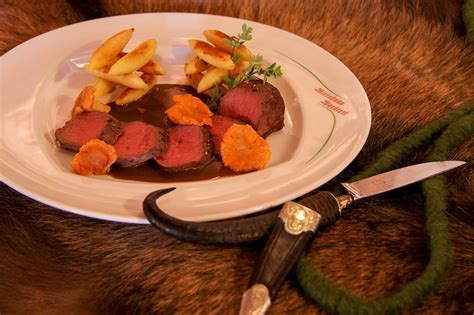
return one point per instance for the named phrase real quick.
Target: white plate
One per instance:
(41, 78)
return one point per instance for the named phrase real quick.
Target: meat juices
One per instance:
(189, 148)
(256, 103)
(140, 142)
(87, 126)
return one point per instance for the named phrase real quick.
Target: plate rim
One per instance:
(121, 218)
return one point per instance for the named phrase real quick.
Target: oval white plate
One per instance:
(327, 120)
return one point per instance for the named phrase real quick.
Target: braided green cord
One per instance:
(468, 19)
(394, 153)
(339, 299)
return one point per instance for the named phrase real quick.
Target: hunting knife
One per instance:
(297, 223)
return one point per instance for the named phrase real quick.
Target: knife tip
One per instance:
(452, 164)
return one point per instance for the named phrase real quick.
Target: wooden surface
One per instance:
(411, 58)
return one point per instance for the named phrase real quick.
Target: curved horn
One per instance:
(242, 230)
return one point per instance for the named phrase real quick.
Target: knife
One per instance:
(297, 223)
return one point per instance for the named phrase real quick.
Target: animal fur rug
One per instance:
(415, 65)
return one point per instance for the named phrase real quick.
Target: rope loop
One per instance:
(457, 126)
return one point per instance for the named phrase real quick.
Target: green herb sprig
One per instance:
(217, 94)
(236, 41)
(255, 70)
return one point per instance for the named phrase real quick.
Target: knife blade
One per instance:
(298, 222)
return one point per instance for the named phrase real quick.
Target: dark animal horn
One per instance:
(236, 231)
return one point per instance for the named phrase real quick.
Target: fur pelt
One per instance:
(415, 66)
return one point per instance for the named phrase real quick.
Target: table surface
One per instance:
(411, 58)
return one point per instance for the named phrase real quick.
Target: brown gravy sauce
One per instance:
(151, 109)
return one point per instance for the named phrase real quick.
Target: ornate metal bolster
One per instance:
(344, 201)
(298, 218)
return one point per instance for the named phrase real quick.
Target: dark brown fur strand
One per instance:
(414, 68)
(21, 20)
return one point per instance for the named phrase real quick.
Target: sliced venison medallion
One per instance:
(189, 148)
(220, 124)
(256, 103)
(87, 126)
(140, 142)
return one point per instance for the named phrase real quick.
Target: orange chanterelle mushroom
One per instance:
(243, 150)
(94, 157)
(189, 110)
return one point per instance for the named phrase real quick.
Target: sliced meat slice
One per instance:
(189, 148)
(256, 103)
(220, 124)
(87, 126)
(140, 142)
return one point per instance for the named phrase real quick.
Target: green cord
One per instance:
(468, 19)
(339, 299)
(397, 151)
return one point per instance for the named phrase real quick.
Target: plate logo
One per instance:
(331, 101)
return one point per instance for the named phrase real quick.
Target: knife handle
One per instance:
(293, 230)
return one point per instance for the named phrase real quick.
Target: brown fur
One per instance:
(21, 20)
(414, 69)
